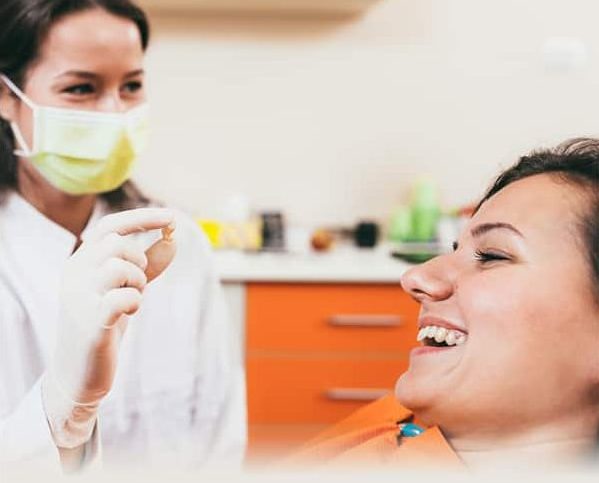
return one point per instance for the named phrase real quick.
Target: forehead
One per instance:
(540, 205)
(91, 40)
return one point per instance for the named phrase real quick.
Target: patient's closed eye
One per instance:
(483, 256)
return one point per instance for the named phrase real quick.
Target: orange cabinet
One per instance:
(317, 352)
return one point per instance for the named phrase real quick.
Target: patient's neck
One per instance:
(539, 456)
(569, 442)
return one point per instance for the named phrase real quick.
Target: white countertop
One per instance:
(345, 264)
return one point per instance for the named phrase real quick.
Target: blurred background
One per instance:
(328, 117)
(327, 145)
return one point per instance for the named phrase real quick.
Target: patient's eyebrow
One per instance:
(483, 228)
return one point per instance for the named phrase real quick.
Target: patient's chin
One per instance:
(406, 390)
(413, 393)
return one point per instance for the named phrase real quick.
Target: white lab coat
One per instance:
(179, 392)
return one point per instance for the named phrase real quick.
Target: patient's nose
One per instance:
(432, 280)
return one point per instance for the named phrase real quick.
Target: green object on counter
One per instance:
(414, 257)
(401, 224)
(418, 221)
(425, 211)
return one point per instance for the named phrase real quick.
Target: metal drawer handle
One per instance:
(355, 394)
(365, 320)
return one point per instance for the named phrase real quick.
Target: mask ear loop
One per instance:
(25, 151)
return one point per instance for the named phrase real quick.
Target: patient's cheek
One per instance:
(515, 312)
(492, 307)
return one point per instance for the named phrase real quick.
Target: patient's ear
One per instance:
(9, 103)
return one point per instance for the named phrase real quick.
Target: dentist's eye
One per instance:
(80, 89)
(133, 86)
(489, 256)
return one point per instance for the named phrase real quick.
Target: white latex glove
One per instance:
(103, 284)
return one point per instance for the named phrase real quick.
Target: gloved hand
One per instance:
(103, 284)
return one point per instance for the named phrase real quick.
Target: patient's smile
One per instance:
(435, 336)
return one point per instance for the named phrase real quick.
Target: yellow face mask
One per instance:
(82, 152)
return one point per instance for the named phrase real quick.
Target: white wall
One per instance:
(330, 120)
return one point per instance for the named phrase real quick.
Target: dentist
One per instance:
(114, 343)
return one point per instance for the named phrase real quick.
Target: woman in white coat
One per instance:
(102, 356)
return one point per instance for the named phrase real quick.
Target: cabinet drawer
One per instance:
(317, 389)
(320, 317)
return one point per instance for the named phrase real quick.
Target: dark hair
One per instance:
(24, 26)
(575, 162)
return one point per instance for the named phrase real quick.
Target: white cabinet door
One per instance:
(235, 300)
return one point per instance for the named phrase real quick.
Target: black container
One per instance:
(366, 234)
(273, 231)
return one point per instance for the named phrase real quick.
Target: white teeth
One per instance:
(441, 334)
(451, 338)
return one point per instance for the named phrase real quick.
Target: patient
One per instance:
(508, 368)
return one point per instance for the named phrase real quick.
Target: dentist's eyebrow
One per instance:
(82, 74)
(135, 73)
(487, 227)
(77, 73)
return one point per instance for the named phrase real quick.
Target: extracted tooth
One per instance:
(440, 335)
(450, 339)
(422, 334)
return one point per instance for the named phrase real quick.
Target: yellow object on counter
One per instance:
(233, 235)
(212, 229)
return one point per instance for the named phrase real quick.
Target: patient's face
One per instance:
(519, 295)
